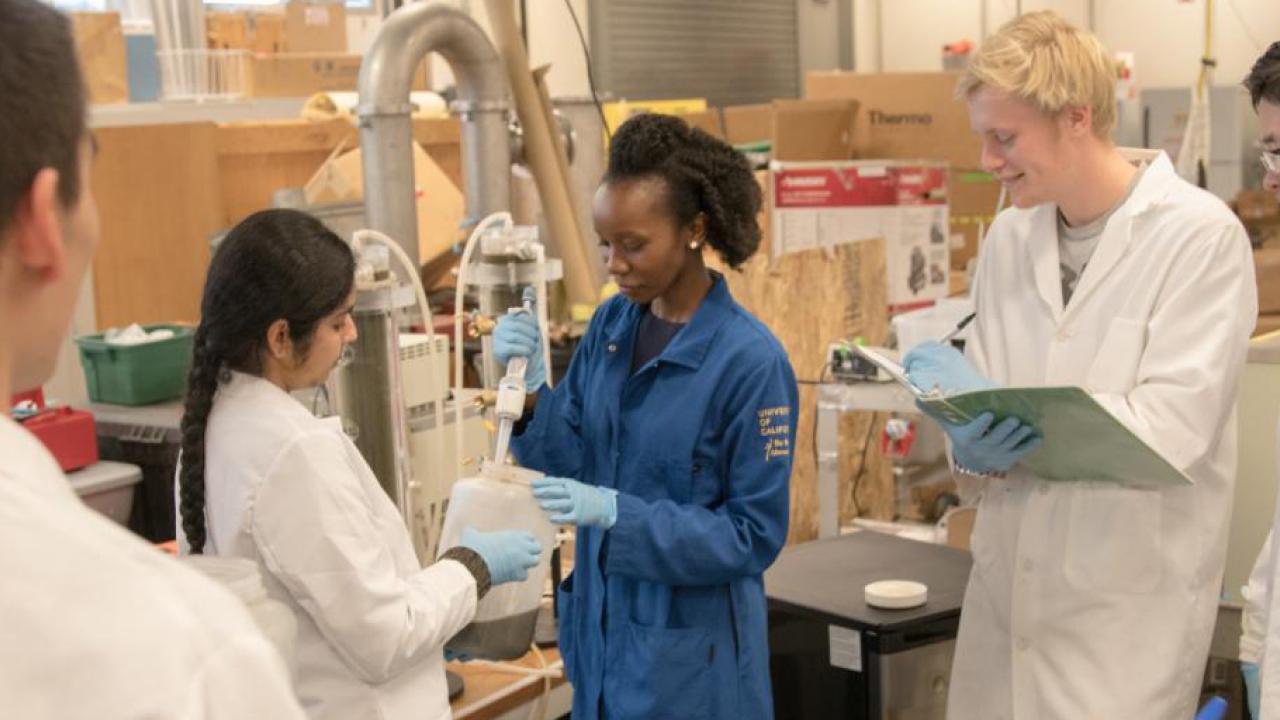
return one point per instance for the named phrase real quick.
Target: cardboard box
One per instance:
(227, 31)
(904, 115)
(797, 130)
(824, 204)
(258, 32)
(303, 74)
(972, 196)
(268, 33)
(103, 60)
(616, 113)
(707, 120)
(441, 205)
(319, 28)
(1266, 262)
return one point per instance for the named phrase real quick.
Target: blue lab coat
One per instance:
(664, 615)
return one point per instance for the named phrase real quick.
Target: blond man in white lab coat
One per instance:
(1092, 599)
(94, 623)
(1260, 641)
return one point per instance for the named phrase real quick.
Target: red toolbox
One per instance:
(36, 396)
(70, 435)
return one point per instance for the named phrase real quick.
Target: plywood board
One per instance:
(809, 299)
(158, 195)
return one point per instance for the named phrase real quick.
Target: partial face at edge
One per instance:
(58, 244)
(1269, 140)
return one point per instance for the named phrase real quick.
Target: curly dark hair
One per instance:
(276, 264)
(703, 175)
(1263, 80)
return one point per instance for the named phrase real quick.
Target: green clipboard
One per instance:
(1082, 440)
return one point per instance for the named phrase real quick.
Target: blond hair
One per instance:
(1048, 62)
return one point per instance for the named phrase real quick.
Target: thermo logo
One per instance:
(884, 118)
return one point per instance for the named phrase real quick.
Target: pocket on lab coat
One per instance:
(1115, 368)
(660, 672)
(567, 606)
(1114, 541)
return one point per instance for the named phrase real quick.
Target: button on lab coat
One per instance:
(1095, 599)
(96, 624)
(292, 493)
(664, 615)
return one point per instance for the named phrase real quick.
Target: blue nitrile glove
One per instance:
(450, 656)
(932, 365)
(1252, 688)
(978, 447)
(508, 553)
(1215, 709)
(570, 502)
(518, 336)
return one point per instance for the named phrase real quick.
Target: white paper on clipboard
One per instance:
(884, 360)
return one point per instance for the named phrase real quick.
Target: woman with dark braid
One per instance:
(261, 478)
(669, 441)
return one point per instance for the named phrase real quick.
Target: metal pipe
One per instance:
(390, 193)
(386, 128)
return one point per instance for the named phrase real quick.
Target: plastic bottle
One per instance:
(242, 578)
(500, 498)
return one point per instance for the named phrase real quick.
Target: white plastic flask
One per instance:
(500, 498)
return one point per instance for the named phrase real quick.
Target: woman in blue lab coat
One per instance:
(668, 443)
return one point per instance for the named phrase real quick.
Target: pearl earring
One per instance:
(693, 246)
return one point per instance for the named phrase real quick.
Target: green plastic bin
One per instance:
(137, 374)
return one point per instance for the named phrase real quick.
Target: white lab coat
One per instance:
(95, 623)
(292, 492)
(1253, 620)
(1260, 639)
(1096, 599)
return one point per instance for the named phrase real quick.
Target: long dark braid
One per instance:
(202, 385)
(703, 175)
(276, 264)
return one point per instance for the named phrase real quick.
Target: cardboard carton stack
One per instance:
(820, 197)
(295, 54)
(916, 116)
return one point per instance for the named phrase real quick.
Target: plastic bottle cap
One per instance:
(896, 594)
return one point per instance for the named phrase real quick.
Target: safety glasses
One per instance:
(1271, 161)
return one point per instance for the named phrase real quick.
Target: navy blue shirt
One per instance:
(652, 337)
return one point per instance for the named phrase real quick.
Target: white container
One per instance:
(107, 487)
(500, 498)
(242, 578)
